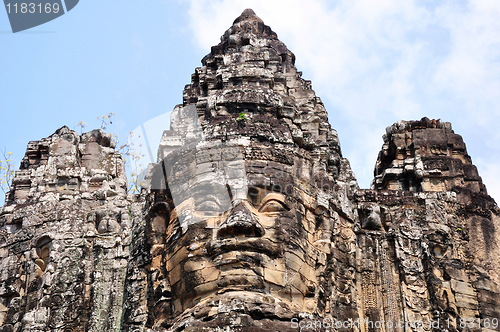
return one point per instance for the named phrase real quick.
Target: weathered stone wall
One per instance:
(65, 232)
(443, 223)
(251, 220)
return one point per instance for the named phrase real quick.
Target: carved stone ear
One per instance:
(43, 246)
(157, 223)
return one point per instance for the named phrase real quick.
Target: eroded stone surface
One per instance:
(251, 220)
(65, 234)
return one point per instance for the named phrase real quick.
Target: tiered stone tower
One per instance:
(251, 220)
(65, 231)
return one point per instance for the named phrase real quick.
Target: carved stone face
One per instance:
(244, 221)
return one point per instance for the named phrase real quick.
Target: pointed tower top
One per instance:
(247, 14)
(251, 75)
(252, 72)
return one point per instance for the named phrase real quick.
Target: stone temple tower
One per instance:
(251, 219)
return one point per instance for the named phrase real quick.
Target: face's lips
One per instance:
(257, 245)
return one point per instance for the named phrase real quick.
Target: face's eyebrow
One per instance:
(273, 196)
(206, 198)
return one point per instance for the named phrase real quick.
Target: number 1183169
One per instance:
(489, 323)
(32, 8)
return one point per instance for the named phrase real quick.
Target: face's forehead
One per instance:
(205, 177)
(193, 161)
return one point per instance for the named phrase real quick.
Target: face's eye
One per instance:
(272, 206)
(208, 208)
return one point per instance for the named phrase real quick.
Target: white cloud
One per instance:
(376, 62)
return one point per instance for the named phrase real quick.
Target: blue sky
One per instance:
(372, 63)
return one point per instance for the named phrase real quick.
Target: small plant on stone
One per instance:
(106, 120)
(132, 161)
(82, 125)
(6, 171)
(241, 117)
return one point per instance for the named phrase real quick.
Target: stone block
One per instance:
(293, 262)
(489, 297)
(210, 274)
(462, 287)
(466, 301)
(194, 265)
(176, 258)
(488, 285)
(468, 314)
(275, 277)
(456, 273)
(175, 274)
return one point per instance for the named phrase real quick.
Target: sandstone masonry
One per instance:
(251, 219)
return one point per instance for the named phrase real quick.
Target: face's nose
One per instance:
(240, 222)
